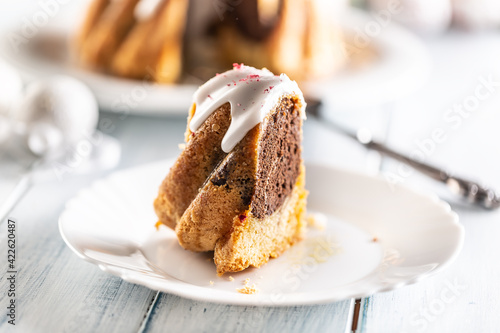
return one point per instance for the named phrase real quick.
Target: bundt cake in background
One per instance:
(238, 186)
(177, 40)
(134, 39)
(154, 45)
(297, 37)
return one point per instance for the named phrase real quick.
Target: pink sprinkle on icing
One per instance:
(237, 66)
(209, 96)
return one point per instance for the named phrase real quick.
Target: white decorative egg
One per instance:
(56, 113)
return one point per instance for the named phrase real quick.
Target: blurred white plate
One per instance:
(377, 238)
(401, 66)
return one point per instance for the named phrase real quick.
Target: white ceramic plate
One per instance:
(377, 238)
(401, 66)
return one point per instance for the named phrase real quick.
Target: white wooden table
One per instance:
(58, 292)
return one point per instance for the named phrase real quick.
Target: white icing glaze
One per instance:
(252, 93)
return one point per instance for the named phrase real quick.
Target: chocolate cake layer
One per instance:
(278, 163)
(246, 18)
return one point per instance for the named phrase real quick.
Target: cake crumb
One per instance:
(375, 239)
(317, 221)
(215, 127)
(231, 278)
(211, 283)
(181, 146)
(157, 225)
(248, 290)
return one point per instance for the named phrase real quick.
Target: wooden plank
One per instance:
(55, 290)
(176, 314)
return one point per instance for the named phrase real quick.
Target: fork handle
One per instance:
(426, 169)
(468, 189)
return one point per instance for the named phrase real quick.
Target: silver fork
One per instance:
(467, 189)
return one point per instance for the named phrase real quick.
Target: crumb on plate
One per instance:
(157, 225)
(248, 290)
(317, 221)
